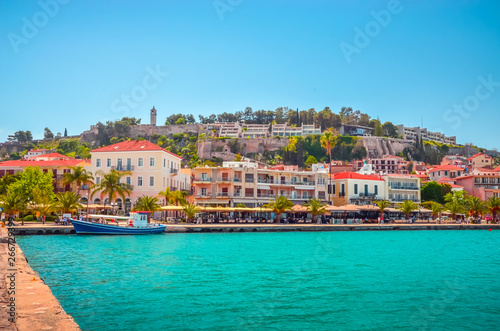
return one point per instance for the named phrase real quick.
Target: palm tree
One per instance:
(407, 207)
(279, 205)
(436, 208)
(455, 207)
(315, 207)
(12, 204)
(147, 203)
(167, 194)
(190, 210)
(382, 205)
(178, 197)
(68, 202)
(111, 185)
(476, 207)
(328, 141)
(80, 176)
(493, 204)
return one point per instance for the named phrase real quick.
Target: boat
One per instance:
(136, 223)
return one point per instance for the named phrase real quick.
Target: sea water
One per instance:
(442, 280)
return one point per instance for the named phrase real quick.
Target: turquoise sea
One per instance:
(422, 280)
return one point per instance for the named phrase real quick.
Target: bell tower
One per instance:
(153, 117)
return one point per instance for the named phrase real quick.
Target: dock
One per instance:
(48, 229)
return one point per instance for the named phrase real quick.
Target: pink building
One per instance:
(482, 186)
(449, 171)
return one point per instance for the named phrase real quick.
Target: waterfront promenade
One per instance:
(47, 229)
(35, 306)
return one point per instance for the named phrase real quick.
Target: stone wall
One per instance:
(209, 147)
(376, 147)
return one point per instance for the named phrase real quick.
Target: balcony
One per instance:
(238, 180)
(223, 179)
(204, 195)
(223, 194)
(403, 187)
(203, 179)
(237, 195)
(174, 171)
(126, 167)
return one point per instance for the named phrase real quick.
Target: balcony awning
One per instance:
(304, 187)
(263, 187)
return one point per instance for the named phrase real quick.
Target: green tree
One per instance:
(80, 176)
(434, 191)
(315, 207)
(455, 207)
(310, 161)
(12, 204)
(43, 204)
(328, 141)
(279, 205)
(111, 184)
(407, 207)
(147, 203)
(382, 205)
(190, 210)
(47, 134)
(5, 182)
(378, 131)
(31, 178)
(65, 132)
(68, 202)
(436, 208)
(476, 207)
(493, 204)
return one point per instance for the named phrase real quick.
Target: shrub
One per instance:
(50, 218)
(28, 218)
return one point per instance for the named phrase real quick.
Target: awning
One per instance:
(304, 187)
(263, 187)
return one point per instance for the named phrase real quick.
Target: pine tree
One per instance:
(65, 132)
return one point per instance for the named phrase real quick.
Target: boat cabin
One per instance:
(138, 219)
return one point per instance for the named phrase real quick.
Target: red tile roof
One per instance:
(476, 155)
(133, 146)
(446, 167)
(38, 163)
(51, 155)
(355, 175)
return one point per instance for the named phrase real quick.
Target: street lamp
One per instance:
(87, 210)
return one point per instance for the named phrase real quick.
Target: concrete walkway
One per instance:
(36, 308)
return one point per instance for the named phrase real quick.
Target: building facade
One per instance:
(153, 170)
(246, 183)
(412, 133)
(399, 188)
(354, 188)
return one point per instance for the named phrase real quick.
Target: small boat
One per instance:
(136, 223)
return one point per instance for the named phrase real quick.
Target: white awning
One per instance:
(304, 187)
(263, 187)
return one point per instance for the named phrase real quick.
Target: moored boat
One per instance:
(136, 223)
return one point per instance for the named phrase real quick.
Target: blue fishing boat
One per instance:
(136, 223)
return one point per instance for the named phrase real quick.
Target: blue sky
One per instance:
(69, 64)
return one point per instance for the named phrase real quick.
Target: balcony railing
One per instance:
(284, 182)
(203, 179)
(204, 195)
(223, 194)
(126, 167)
(174, 171)
(237, 180)
(403, 187)
(223, 179)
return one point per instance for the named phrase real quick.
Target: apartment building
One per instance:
(412, 133)
(399, 188)
(445, 171)
(483, 186)
(354, 188)
(58, 165)
(251, 185)
(153, 169)
(284, 130)
(481, 160)
(388, 164)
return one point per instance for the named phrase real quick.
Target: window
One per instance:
(98, 163)
(129, 164)
(98, 180)
(140, 162)
(108, 163)
(119, 164)
(151, 181)
(203, 191)
(366, 189)
(342, 190)
(249, 192)
(139, 181)
(129, 180)
(164, 163)
(376, 189)
(249, 178)
(151, 161)
(355, 188)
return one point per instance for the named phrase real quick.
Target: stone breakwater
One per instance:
(26, 303)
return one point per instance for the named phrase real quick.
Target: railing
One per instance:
(284, 182)
(126, 167)
(223, 179)
(204, 195)
(237, 195)
(223, 194)
(203, 179)
(174, 171)
(367, 195)
(402, 187)
(237, 180)
(342, 194)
